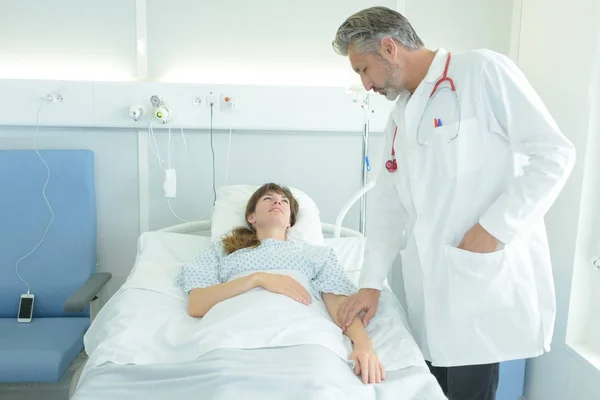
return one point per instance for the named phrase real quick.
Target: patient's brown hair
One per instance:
(244, 237)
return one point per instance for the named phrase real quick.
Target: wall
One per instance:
(198, 42)
(556, 52)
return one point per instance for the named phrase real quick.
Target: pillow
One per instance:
(230, 208)
(160, 254)
(350, 252)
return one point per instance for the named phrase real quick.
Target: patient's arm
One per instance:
(356, 331)
(203, 299)
(363, 355)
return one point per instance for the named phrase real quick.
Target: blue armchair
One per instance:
(61, 272)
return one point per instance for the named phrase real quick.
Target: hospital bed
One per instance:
(139, 343)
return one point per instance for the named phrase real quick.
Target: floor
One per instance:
(42, 391)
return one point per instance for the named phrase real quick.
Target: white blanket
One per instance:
(146, 322)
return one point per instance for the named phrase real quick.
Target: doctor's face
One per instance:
(378, 74)
(272, 210)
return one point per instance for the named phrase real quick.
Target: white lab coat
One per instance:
(504, 170)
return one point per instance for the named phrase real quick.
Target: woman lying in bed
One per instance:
(262, 246)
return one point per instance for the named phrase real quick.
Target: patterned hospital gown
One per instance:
(318, 263)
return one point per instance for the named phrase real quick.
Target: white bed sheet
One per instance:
(289, 373)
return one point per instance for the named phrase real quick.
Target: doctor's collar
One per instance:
(436, 69)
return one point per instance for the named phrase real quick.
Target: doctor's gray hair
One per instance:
(365, 29)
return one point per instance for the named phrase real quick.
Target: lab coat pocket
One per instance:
(458, 149)
(478, 282)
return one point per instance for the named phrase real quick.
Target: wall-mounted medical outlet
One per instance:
(228, 102)
(212, 100)
(136, 112)
(54, 98)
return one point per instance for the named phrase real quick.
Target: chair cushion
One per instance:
(39, 351)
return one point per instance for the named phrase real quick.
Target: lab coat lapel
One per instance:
(418, 101)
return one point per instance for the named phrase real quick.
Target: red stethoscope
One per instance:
(391, 165)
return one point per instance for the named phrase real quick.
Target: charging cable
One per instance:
(37, 124)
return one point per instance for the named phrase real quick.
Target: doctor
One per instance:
(472, 161)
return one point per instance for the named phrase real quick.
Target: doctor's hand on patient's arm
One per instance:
(364, 299)
(366, 362)
(285, 285)
(478, 240)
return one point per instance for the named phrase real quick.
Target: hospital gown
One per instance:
(318, 263)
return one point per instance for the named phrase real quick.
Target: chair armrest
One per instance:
(86, 293)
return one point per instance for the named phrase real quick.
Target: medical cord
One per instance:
(212, 149)
(37, 124)
(227, 158)
(161, 161)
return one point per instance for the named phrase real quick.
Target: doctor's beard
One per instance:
(393, 84)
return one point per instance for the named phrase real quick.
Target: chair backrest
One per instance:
(67, 256)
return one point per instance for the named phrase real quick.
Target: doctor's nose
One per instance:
(367, 83)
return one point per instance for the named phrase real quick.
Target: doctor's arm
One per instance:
(385, 238)
(515, 111)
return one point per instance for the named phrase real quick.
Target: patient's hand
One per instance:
(364, 299)
(286, 285)
(367, 364)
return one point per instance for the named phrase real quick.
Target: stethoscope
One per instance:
(391, 165)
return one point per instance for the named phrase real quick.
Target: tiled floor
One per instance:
(42, 391)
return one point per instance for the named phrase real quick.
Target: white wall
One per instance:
(460, 25)
(192, 41)
(557, 52)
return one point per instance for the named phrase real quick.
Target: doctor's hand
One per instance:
(284, 284)
(478, 240)
(364, 299)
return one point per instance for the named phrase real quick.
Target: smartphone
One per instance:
(26, 308)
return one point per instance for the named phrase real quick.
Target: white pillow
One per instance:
(230, 208)
(350, 252)
(161, 254)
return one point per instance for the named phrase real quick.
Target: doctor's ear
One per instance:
(389, 48)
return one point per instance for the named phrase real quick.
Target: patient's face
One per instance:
(272, 210)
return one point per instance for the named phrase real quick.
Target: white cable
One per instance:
(160, 160)
(184, 141)
(169, 149)
(183, 220)
(37, 124)
(227, 159)
(156, 152)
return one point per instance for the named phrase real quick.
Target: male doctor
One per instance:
(465, 181)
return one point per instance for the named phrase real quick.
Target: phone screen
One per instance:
(25, 309)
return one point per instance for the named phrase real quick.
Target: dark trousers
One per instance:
(471, 382)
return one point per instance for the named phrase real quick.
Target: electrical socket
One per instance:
(198, 101)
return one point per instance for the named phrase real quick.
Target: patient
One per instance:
(262, 246)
